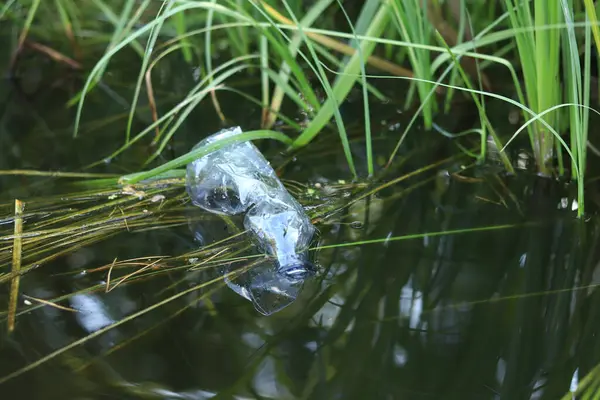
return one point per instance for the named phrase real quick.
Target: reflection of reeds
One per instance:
(59, 225)
(399, 293)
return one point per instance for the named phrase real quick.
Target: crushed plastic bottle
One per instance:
(237, 179)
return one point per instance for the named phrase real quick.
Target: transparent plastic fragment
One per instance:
(267, 289)
(228, 180)
(237, 179)
(283, 230)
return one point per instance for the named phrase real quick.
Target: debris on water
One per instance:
(130, 190)
(236, 180)
(356, 225)
(267, 289)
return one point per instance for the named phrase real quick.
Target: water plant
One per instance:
(431, 188)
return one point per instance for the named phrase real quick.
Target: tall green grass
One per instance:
(540, 62)
(411, 21)
(297, 51)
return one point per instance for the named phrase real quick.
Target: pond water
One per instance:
(456, 282)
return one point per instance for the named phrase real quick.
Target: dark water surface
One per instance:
(484, 289)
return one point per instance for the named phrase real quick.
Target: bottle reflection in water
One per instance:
(237, 179)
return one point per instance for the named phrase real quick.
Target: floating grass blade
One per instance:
(423, 235)
(55, 174)
(202, 151)
(107, 328)
(16, 264)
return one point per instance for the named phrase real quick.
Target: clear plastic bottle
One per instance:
(237, 179)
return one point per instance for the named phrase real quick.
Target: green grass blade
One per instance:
(344, 84)
(325, 54)
(593, 19)
(331, 106)
(181, 29)
(208, 41)
(195, 94)
(367, 113)
(154, 33)
(118, 23)
(284, 73)
(27, 25)
(264, 78)
(193, 102)
(202, 151)
(412, 25)
(419, 110)
(130, 38)
(6, 7)
(482, 113)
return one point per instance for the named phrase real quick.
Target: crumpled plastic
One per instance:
(238, 180)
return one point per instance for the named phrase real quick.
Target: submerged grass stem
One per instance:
(16, 264)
